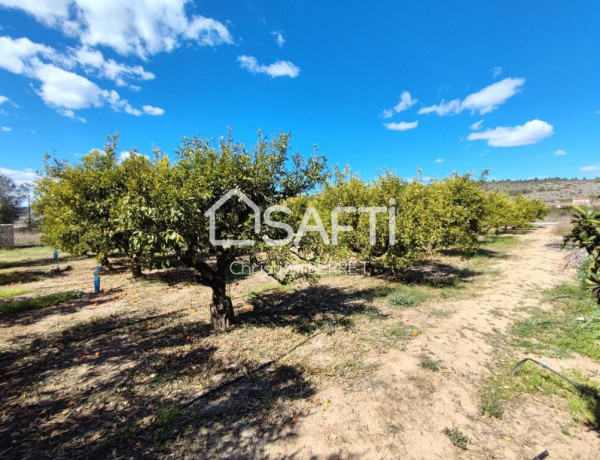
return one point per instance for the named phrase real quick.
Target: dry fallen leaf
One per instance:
(249, 308)
(415, 333)
(97, 354)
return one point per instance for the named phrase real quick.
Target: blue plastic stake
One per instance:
(97, 278)
(55, 254)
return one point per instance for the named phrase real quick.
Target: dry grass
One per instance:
(127, 369)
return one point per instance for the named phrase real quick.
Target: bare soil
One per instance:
(330, 370)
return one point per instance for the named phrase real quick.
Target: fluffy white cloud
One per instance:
(277, 69)
(5, 129)
(3, 99)
(66, 90)
(401, 125)
(278, 37)
(20, 176)
(560, 153)
(405, 103)
(476, 126)
(140, 27)
(490, 97)
(93, 62)
(16, 55)
(590, 168)
(153, 110)
(439, 160)
(483, 101)
(62, 89)
(511, 136)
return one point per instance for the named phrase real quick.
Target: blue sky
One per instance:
(513, 86)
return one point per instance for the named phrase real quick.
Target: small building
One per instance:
(581, 200)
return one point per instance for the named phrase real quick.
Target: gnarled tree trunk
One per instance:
(221, 308)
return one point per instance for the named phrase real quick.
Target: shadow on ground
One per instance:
(311, 308)
(129, 387)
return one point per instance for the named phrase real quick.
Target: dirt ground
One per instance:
(324, 371)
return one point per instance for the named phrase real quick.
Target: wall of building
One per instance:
(7, 236)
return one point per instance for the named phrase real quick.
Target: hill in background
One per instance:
(548, 190)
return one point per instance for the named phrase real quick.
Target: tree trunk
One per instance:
(221, 308)
(136, 267)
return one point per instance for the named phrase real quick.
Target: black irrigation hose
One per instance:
(581, 388)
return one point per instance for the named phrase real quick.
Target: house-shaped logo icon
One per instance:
(211, 214)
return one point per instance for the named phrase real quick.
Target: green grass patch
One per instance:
(7, 293)
(573, 326)
(430, 363)
(36, 303)
(20, 277)
(25, 256)
(533, 379)
(407, 296)
(457, 437)
(400, 331)
(498, 242)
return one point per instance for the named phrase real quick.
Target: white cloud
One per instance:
(4, 99)
(560, 152)
(127, 153)
(405, 103)
(153, 110)
(277, 69)
(6, 129)
(496, 71)
(590, 168)
(439, 160)
(511, 136)
(93, 62)
(443, 108)
(490, 97)
(387, 113)
(401, 125)
(67, 90)
(483, 101)
(278, 37)
(477, 125)
(16, 55)
(139, 27)
(20, 176)
(62, 89)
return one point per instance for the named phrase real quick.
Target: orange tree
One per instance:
(206, 171)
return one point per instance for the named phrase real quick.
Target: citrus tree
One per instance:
(103, 204)
(204, 172)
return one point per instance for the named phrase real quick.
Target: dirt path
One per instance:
(404, 411)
